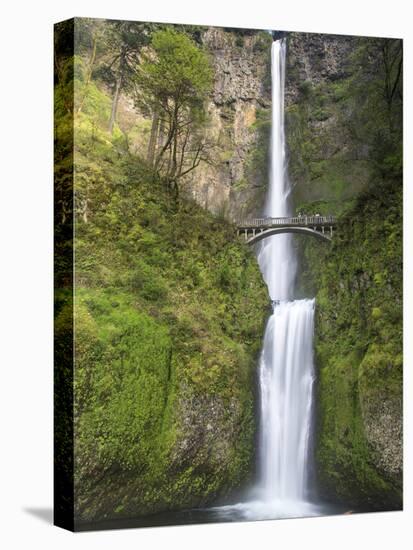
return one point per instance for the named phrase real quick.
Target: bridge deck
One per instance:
(300, 221)
(256, 229)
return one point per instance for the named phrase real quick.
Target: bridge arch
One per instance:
(260, 235)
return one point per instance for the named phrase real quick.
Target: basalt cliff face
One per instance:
(326, 162)
(234, 183)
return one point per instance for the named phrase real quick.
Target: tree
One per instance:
(392, 59)
(375, 96)
(88, 35)
(124, 40)
(173, 82)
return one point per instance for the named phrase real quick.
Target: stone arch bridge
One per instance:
(257, 229)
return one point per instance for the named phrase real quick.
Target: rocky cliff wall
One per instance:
(234, 183)
(326, 163)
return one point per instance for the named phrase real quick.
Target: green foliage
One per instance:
(262, 43)
(123, 366)
(345, 133)
(172, 84)
(95, 103)
(121, 43)
(169, 311)
(169, 299)
(359, 346)
(180, 72)
(345, 150)
(239, 41)
(346, 467)
(376, 87)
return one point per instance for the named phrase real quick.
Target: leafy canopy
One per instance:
(180, 72)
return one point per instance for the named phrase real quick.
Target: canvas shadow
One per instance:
(44, 514)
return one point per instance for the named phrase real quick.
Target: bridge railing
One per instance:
(295, 220)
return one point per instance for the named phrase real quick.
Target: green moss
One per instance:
(262, 43)
(358, 348)
(376, 313)
(346, 462)
(325, 160)
(169, 316)
(257, 161)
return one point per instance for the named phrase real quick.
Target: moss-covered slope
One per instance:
(168, 322)
(169, 313)
(359, 353)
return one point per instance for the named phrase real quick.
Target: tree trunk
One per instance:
(161, 134)
(154, 138)
(115, 101)
(88, 75)
(172, 171)
(166, 145)
(174, 156)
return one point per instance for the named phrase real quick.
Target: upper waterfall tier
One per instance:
(276, 255)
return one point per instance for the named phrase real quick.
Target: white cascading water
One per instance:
(276, 258)
(286, 369)
(286, 364)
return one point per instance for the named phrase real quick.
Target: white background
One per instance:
(26, 273)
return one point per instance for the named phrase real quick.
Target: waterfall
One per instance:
(286, 363)
(276, 257)
(286, 376)
(286, 369)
